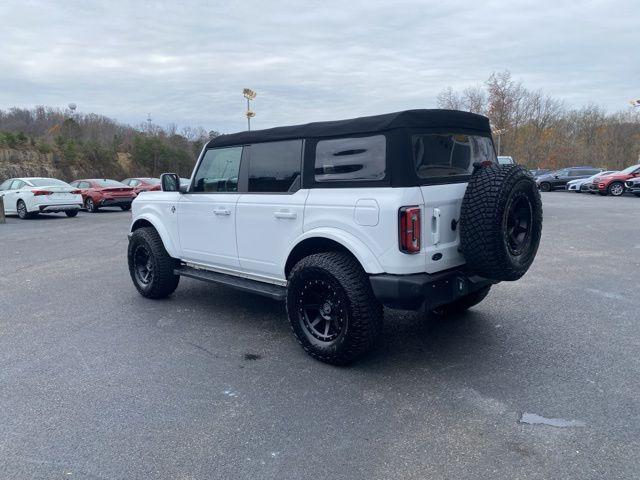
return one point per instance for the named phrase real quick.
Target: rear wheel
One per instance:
(463, 303)
(90, 205)
(332, 309)
(125, 207)
(71, 213)
(545, 186)
(616, 189)
(23, 213)
(150, 266)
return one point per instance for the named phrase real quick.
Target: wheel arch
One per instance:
(147, 221)
(329, 240)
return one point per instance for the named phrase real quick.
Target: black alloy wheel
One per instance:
(519, 221)
(143, 265)
(320, 311)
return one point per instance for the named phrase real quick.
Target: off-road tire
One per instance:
(493, 194)
(71, 213)
(463, 303)
(545, 187)
(361, 312)
(163, 281)
(610, 189)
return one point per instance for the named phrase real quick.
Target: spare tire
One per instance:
(500, 222)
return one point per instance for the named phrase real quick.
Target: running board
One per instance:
(275, 292)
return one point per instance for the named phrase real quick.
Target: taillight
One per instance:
(409, 229)
(75, 192)
(37, 193)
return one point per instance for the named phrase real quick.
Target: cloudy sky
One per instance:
(187, 62)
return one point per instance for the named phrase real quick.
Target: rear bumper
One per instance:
(423, 290)
(59, 208)
(116, 202)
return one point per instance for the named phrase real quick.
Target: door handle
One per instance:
(285, 214)
(222, 211)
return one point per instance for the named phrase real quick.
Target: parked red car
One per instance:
(614, 184)
(98, 193)
(142, 184)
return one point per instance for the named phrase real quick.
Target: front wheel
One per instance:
(616, 189)
(332, 309)
(545, 186)
(125, 208)
(150, 266)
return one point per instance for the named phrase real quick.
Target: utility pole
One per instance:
(249, 95)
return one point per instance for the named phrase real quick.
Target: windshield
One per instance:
(630, 169)
(446, 155)
(47, 182)
(109, 183)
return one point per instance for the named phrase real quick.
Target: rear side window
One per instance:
(274, 166)
(450, 155)
(351, 159)
(5, 185)
(218, 170)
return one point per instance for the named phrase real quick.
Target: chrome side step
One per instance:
(270, 290)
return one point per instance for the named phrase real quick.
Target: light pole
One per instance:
(499, 132)
(249, 95)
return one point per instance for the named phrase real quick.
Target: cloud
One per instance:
(187, 62)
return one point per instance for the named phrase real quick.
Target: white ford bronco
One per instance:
(406, 210)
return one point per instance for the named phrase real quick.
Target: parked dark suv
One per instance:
(559, 178)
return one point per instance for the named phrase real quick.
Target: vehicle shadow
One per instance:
(409, 338)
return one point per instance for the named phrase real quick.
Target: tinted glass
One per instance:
(274, 166)
(351, 159)
(218, 170)
(450, 155)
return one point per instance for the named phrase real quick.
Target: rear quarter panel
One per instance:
(351, 213)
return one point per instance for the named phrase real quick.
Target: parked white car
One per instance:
(505, 160)
(30, 196)
(406, 210)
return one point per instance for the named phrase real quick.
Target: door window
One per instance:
(274, 166)
(17, 184)
(5, 185)
(218, 170)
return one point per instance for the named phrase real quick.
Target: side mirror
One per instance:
(170, 182)
(556, 176)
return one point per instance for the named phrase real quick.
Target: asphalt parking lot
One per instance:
(98, 382)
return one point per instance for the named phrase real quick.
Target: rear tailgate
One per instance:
(440, 231)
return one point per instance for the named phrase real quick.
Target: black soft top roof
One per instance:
(424, 118)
